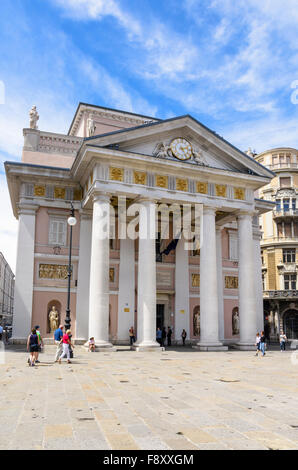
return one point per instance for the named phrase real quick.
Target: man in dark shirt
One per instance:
(58, 335)
(169, 336)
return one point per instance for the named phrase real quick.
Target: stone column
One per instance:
(23, 293)
(181, 291)
(221, 325)
(258, 281)
(126, 297)
(99, 295)
(146, 332)
(82, 307)
(246, 290)
(209, 339)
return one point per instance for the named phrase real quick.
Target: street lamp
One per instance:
(71, 222)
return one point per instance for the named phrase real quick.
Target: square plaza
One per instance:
(126, 400)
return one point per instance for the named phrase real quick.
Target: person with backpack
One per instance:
(40, 344)
(33, 347)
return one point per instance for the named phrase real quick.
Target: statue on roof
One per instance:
(34, 116)
(90, 127)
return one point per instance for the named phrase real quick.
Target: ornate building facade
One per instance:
(109, 162)
(6, 292)
(279, 244)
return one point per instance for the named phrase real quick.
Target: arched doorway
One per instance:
(290, 324)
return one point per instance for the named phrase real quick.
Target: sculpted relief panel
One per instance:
(53, 271)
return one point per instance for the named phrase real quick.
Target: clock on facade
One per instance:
(181, 148)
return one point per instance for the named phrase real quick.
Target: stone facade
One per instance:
(6, 292)
(112, 160)
(280, 242)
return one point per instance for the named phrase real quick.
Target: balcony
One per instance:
(280, 294)
(282, 166)
(284, 214)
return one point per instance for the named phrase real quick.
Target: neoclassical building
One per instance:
(111, 158)
(279, 244)
(6, 292)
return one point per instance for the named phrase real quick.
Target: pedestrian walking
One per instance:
(263, 343)
(159, 336)
(1, 332)
(257, 343)
(132, 336)
(66, 344)
(40, 344)
(58, 335)
(163, 335)
(282, 341)
(32, 347)
(183, 336)
(169, 336)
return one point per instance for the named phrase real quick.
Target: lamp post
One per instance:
(71, 222)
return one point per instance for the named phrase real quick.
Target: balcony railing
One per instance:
(277, 213)
(280, 166)
(280, 294)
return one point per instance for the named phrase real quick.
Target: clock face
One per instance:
(181, 148)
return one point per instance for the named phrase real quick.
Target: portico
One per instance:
(126, 259)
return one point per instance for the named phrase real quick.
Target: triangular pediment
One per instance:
(164, 140)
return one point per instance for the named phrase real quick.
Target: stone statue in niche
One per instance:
(53, 319)
(34, 116)
(235, 321)
(196, 322)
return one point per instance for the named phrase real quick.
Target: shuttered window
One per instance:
(57, 235)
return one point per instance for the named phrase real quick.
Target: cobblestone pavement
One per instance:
(179, 399)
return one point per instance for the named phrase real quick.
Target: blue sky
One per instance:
(228, 63)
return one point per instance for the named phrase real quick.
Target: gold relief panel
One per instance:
(77, 194)
(202, 187)
(231, 282)
(59, 193)
(221, 190)
(139, 177)
(195, 280)
(53, 271)
(116, 174)
(39, 190)
(181, 184)
(112, 274)
(239, 193)
(161, 181)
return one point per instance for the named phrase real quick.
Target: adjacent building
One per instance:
(279, 243)
(6, 292)
(123, 173)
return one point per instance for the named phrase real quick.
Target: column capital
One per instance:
(101, 196)
(209, 210)
(142, 199)
(85, 214)
(28, 209)
(245, 214)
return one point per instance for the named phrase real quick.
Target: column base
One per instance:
(153, 346)
(245, 346)
(17, 340)
(217, 346)
(101, 346)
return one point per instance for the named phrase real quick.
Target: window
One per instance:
(285, 182)
(57, 233)
(158, 255)
(233, 245)
(262, 258)
(263, 281)
(289, 255)
(294, 204)
(290, 281)
(278, 204)
(286, 203)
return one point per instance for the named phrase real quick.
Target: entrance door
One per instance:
(291, 324)
(160, 315)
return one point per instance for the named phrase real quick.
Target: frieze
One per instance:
(53, 271)
(195, 280)
(239, 193)
(231, 282)
(281, 293)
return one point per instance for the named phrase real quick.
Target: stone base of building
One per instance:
(210, 347)
(245, 346)
(17, 340)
